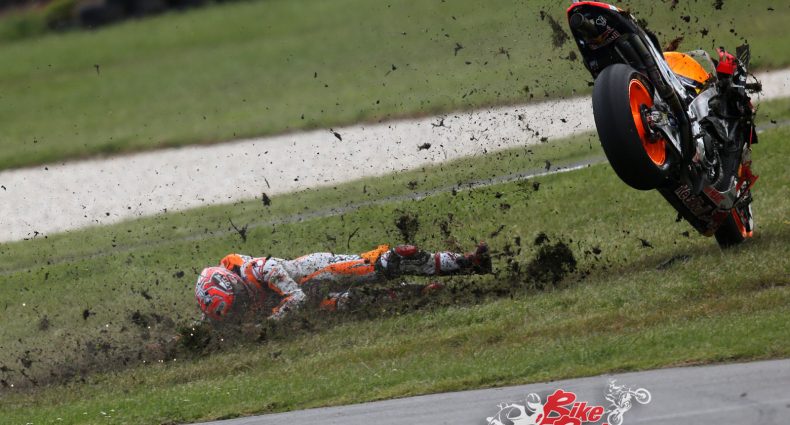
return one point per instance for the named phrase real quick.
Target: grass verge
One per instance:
(643, 293)
(264, 67)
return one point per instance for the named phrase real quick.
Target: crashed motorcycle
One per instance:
(679, 123)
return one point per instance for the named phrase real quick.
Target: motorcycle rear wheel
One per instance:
(619, 95)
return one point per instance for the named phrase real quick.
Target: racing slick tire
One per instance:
(620, 94)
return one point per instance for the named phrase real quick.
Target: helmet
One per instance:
(533, 401)
(220, 293)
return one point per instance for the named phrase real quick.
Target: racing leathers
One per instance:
(269, 276)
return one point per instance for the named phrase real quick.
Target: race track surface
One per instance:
(734, 394)
(41, 200)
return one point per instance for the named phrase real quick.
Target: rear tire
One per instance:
(619, 93)
(736, 228)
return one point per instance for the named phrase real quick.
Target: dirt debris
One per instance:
(674, 44)
(541, 239)
(44, 323)
(558, 35)
(265, 199)
(241, 231)
(408, 224)
(645, 243)
(551, 264)
(680, 258)
(144, 293)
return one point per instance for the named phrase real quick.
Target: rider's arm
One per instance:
(282, 283)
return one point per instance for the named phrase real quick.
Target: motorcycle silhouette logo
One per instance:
(620, 398)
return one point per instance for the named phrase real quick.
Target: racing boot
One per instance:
(405, 260)
(409, 260)
(478, 262)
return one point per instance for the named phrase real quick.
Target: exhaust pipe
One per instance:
(582, 25)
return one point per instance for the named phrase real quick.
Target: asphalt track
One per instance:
(756, 393)
(42, 200)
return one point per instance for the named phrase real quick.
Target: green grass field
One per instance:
(111, 295)
(263, 67)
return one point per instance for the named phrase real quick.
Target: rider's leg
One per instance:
(318, 269)
(384, 263)
(387, 263)
(327, 267)
(410, 260)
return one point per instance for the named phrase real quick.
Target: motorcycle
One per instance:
(620, 398)
(679, 123)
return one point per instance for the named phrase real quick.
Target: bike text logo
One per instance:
(562, 408)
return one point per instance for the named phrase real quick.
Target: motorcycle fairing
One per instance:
(690, 72)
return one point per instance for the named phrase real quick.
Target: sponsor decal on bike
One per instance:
(696, 204)
(563, 408)
(604, 39)
(714, 195)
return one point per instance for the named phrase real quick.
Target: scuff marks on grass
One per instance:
(78, 356)
(529, 270)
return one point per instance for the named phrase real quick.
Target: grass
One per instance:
(257, 68)
(626, 307)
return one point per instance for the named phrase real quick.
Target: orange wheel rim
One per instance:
(639, 95)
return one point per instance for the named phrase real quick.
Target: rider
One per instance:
(240, 284)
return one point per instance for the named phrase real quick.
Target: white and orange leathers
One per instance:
(268, 276)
